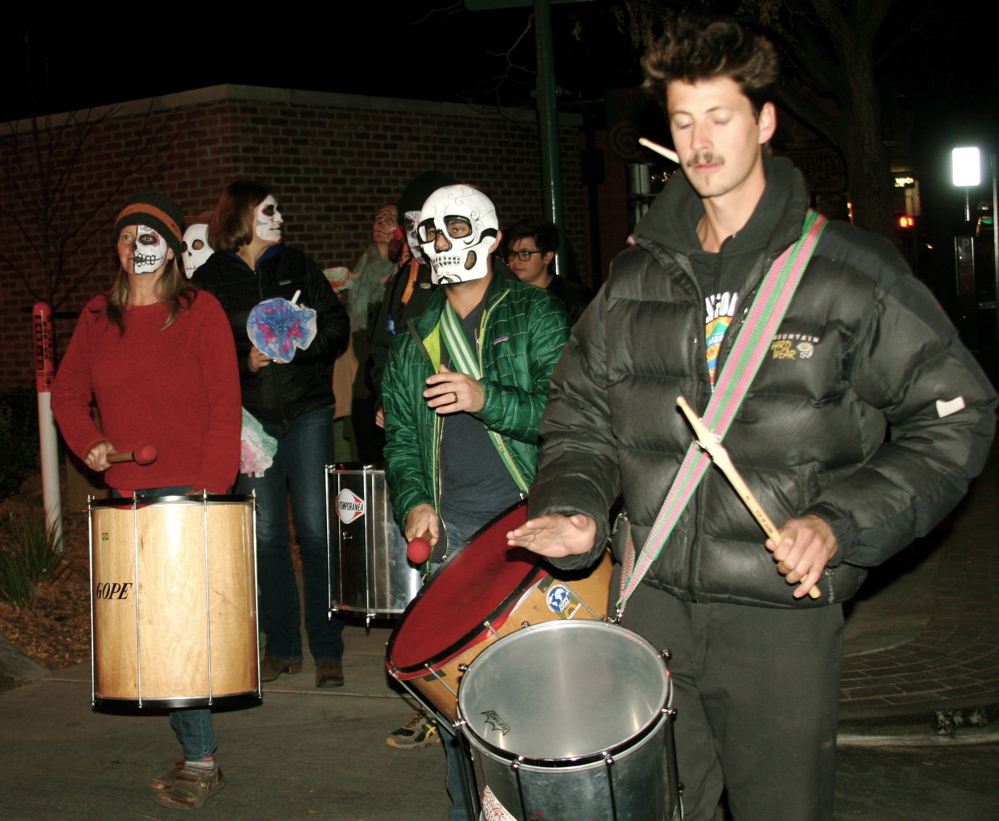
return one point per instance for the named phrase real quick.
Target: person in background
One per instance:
(369, 277)
(294, 403)
(530, 247)
(157, 356)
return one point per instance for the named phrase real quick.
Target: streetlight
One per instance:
(966, 167)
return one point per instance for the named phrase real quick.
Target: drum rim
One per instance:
(147, 501)
(531, 577)
(665, 712)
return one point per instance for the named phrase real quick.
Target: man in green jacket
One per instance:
(463, 404)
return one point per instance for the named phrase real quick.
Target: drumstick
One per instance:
(709, 442)
(418, 549)
(668, 153)
(142, 455)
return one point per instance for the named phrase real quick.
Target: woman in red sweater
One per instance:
(158, 357)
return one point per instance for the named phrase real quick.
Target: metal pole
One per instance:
(551, 160)
(48, 439)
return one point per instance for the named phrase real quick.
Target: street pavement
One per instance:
(920, 686)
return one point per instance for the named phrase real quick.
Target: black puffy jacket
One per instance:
(810, 437)
(279, 393)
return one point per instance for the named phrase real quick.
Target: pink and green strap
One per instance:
(744, 360)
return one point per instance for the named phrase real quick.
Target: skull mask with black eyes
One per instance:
(457, 230)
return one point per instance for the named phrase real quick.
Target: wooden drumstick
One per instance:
(709, 442)
(662, 150)
(142, 455)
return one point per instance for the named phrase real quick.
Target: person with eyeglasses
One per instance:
(530, 249)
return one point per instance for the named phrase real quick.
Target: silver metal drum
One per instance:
(571, 720)
(368, 569)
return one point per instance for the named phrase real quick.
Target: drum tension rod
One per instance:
(436, 675)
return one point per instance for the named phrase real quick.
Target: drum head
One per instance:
(565, 690)
(471, 587)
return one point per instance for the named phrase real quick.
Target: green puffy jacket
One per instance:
(523, 330)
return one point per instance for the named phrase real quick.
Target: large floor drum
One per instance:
(570, 721)
(368, 570)
(173, 601)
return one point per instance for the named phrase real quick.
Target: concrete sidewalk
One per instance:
(923, 636)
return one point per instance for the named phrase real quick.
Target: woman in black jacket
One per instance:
(294, 402)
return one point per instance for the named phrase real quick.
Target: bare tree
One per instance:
(54, 213)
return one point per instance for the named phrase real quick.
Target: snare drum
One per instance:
(173, 601)
(368, 569)
(571, 720)
(484, 592)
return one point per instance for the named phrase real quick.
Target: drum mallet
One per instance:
(709, 442)
(142, 455)
(418, 549)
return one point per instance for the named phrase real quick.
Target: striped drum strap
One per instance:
(464, 358)
(744, 360)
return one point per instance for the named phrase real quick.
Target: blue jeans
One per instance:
(458, 533)
(305, 447)
(193, 727)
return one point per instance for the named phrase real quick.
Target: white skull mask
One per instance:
(149, 250)
(457, 229)
(268, 220)
(196, 248)
(411, 227)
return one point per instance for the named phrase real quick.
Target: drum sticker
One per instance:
(562, 601)
(492, 810)
(112, 590)
(349, 506)
(495, 721)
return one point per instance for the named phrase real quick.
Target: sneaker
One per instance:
(420, 731)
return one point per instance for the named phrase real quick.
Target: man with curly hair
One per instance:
(861, 429)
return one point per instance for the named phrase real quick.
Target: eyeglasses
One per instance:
(523, 256)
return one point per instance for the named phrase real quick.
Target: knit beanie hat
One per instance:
(158, 212)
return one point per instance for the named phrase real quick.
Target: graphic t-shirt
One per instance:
(718, 312)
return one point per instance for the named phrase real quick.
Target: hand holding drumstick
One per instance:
(801, 548)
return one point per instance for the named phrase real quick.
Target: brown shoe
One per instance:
(165, 781)
(329, 673)
(191, 788)
(271, 667)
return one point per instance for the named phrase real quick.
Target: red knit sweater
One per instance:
(176, 389)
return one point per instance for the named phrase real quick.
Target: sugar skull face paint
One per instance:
(411, 224)
(386, 222)
(142, 250)
(196, 248)
(268, 220)
(457, 230)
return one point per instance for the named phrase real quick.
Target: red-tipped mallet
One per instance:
(418, 549)
(142, 455)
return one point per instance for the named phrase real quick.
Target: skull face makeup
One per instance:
(385, 223)
(457, 229)
(268, 221)
(412, 239)
(143, 247)
(196, 248)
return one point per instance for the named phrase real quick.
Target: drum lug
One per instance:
(462, 668)
(666, 655)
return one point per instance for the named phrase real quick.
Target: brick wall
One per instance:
(331, 160)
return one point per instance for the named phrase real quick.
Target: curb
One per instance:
(17, 665)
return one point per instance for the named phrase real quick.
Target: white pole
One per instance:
(48, 439)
